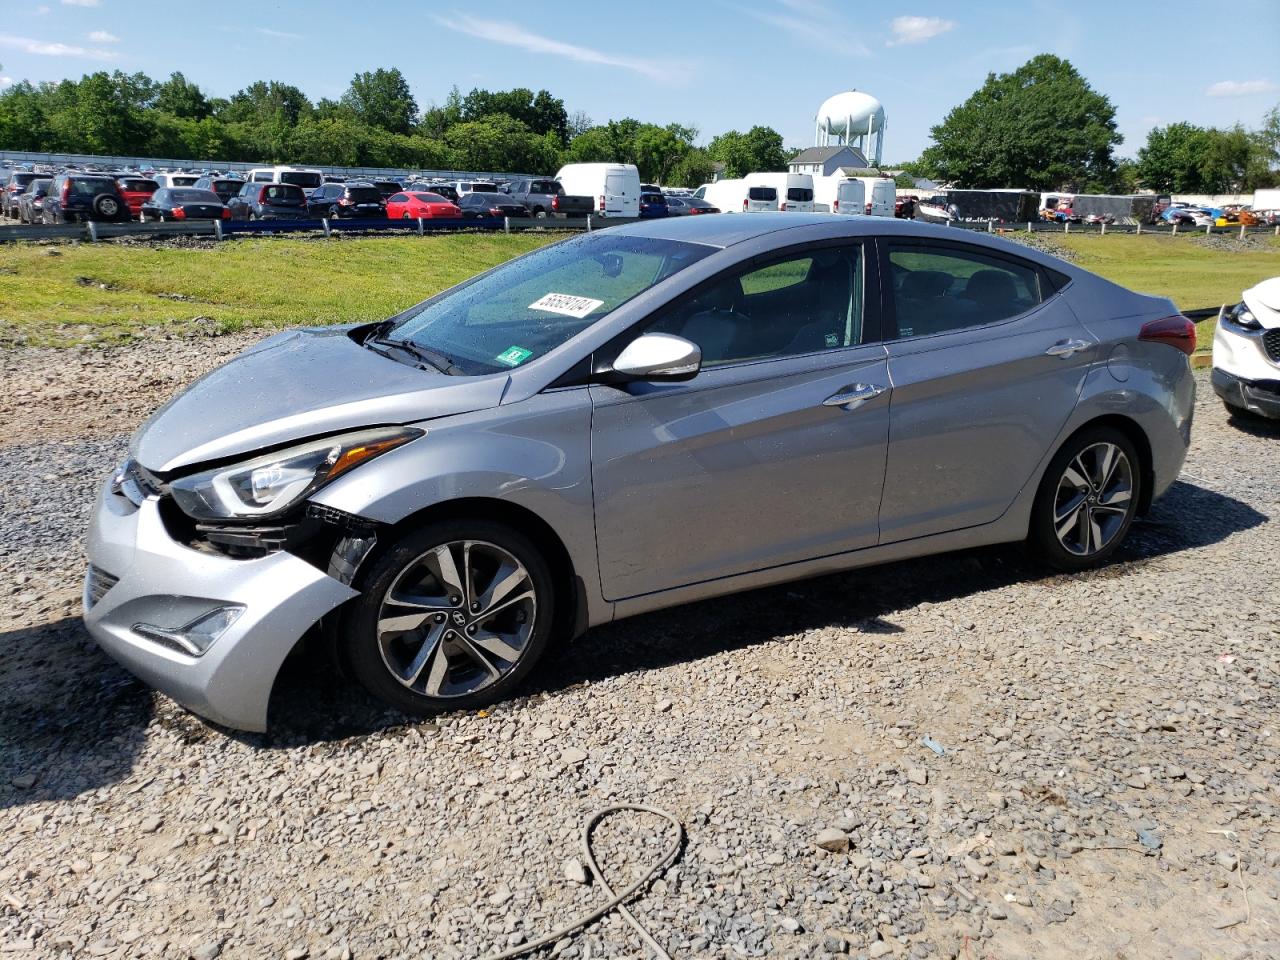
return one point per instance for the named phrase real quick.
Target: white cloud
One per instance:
(808, 21)
(1240, 88)
(511, 35)
(82, 3)
(41, 10)
(279, 34)
(101, 36)
(52, 48)
(917, 29)
(6, 81)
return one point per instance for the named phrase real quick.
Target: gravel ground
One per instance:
(1002, 764)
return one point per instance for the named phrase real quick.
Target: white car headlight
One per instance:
(270, 484)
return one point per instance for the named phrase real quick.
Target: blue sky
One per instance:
(717, 64)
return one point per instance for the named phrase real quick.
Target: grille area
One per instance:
(1271, 343)
(96, 585)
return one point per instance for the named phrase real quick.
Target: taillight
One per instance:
(226, 213)
(783, 206)
(66, 192)
(179, 213)
(1175, 331)
(262, 195)
(555, 203)
(868, 209)
(835, 205)
(602, 203)
(344, 201)
(744, 206)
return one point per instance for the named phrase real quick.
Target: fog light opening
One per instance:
(195, 637)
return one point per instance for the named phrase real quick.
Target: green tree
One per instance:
(759, 150)
(179, 97)
(382, 99)
(499, 142)
(540, 112)
(436, 120)
(1040, 127)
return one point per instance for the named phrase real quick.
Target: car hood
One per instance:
(298, 385)
(1263, 301)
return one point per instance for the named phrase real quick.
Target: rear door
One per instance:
(773, 454)
(621, 195)
(987, 362)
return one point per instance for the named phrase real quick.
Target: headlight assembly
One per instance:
(1242, 316)
(270, 484)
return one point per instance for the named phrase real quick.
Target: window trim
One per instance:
(889, 307)
(602, 360)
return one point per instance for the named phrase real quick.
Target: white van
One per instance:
(298, 176)
(839, 194)
(474, 186)
(795, 190)
(167, 180)
(882, 193)
(613, 187)
(733, 196)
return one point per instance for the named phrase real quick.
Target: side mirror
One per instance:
(658, 357)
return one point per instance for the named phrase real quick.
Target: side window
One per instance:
(397, 198)
(938, 289)
(798, 304)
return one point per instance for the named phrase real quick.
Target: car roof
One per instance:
(727, 229)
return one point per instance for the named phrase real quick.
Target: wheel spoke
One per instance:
(430, 648)
(1096, 541)
(1069, 509)
(1070, 522)
(439, 671)
(418, 602)
(401, 623)
(1078, 476)
(1107, 462)
(496, 645)
(508, 577)
(476, 654)
(511, 601)
(449, 577)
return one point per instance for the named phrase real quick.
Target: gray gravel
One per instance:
(954, 757)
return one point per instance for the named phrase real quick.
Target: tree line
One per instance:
(376, 123)
(1041, 127)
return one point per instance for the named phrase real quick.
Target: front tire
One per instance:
(452, 617)
(1087, 500)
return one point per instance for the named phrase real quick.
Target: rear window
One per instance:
(546, 186)
(800, 194)
(484, 188)
(139, 185)
(302, 178)
(282, 193)
(364, 194)
(652, 198)
(91, 186)
(194, 196)
(388, 185)
(430, 198)
(182, 180)
(22, 178)
(762, 193)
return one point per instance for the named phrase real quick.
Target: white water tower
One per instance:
(855, 119)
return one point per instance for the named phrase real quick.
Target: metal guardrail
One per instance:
(222, 229)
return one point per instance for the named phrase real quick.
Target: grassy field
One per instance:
(109, 293)
(1186, 269)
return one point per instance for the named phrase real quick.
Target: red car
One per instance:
(137, 191)
(411, 206)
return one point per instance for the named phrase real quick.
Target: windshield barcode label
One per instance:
(566, 304)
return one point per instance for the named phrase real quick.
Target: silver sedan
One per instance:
(631, 419)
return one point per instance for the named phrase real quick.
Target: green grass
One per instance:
(111, 293)
(55, 295)
(1184, 269)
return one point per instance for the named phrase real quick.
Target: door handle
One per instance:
(1065, 348)
(854, 396)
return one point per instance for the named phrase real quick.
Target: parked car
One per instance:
(17, 182)
(77, 197)
(484, 206)
(320, 201)
(136, 191)
(31, 201)
(178, 179)
(1246, 352)
(411, 206)
(688, 206)
(184, 203)
(653, 205)
(1187, 217)
(269, 201)
(446, 190)
(224, 187)
(463, 187)
(546, 198)
(358, 199)
(387, 187)
(627, 420)
(904, 207)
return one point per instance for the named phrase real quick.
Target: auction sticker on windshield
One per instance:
(513, 356)
(566, 304)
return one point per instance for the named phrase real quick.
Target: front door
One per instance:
(773, 454)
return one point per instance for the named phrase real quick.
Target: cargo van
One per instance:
(613, 187)
(306, 179)
(838, 194)
(881, 193)
(738, 196)
(795, 190)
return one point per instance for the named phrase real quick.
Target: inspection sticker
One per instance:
(513, 356)
(566, 304)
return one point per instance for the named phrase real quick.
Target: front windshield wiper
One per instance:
(437, 361)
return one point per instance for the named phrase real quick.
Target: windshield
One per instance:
(301, 178)
(530, 306)
(800, 194)
(363, 194)
(762, 193)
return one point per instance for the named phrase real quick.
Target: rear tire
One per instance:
(419, 637)
(1087, 500)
